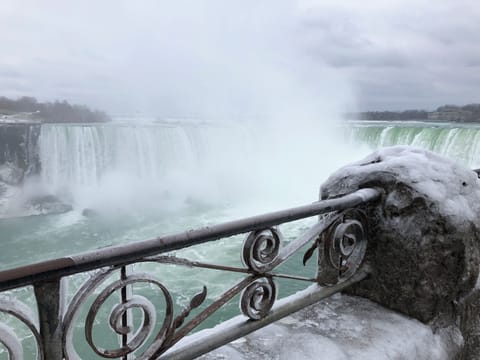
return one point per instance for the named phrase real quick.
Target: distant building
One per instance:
(451, 113)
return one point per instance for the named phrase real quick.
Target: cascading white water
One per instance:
(123, 165)
(91, 160)
(167, 164)
(81, 155)
(140, 163)
(460, 143)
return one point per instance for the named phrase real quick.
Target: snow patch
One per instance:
(338, 328)
(449, 184)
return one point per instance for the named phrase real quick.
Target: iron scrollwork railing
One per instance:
(339, 237)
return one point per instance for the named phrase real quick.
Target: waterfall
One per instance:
(125, 163)
(76, 158)
(460, 143)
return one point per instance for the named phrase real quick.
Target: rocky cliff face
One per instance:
(18, 160)
(18, 150)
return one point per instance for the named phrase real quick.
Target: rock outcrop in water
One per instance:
(424, 237)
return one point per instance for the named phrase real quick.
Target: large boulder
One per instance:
(423, 235)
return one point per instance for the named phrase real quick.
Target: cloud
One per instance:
(216, 58)
(399, 53)
(186, 58)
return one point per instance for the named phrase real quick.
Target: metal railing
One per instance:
(339, 237)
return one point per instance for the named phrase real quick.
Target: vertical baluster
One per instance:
(50, 301)
(126, 319)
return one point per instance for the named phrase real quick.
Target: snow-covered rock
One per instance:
(424, 235)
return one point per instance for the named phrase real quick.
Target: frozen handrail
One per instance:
(339, 237)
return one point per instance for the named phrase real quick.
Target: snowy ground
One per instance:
(343, 327)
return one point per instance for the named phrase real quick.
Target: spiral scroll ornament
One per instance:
(260, 249)
(258, 298)
(115, 319)
(134, 340)
(342, 247)
(8, 337)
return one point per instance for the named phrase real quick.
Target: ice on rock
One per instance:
(424, 234)
(347, 327)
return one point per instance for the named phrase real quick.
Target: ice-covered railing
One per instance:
(340, 237)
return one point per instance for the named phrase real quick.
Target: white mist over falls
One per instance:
(261, 116)
(166, 165)
(170, 165)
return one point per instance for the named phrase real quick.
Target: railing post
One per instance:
(49, 297)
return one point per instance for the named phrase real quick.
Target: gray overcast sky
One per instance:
(241, 58)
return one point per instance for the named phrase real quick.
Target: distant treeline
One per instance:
(389, 115)
(466, 113)
(58, 111)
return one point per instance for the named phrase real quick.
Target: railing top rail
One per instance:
(129, 253)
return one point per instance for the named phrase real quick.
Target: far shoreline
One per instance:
(469, 113)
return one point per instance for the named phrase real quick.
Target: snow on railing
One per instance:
(340, 236)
